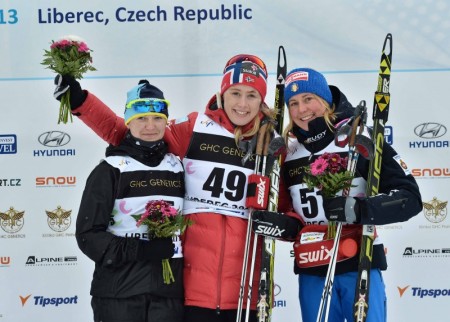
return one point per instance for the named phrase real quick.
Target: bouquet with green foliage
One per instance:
(163, 220)
(68, 56)
(329, 174)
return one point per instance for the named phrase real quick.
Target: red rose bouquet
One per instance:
(163, 220)
(68, 56)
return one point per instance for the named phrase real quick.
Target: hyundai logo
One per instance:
(276, 290)
(430, 130)
(54, 139)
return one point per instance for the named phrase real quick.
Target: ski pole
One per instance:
(353, 153)
(249, 233)
(264, 142)
(265, 290)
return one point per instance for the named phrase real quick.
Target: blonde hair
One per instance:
(329, 115)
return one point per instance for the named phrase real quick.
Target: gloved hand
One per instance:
(63, 83)
(275, 224)
(342, 209)
(156, 249)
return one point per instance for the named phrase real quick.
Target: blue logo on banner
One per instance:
(388, 134)
(8, 144)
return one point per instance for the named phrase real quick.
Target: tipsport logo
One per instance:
(47, 301)
(8, 144)
(12, 182)
(421, 293)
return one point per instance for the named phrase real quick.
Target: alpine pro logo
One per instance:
(411, 252)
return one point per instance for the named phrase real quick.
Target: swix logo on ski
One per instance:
(261, 186)
(269, 231)
(315, 256)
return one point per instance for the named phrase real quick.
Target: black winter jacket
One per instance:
(119, 270)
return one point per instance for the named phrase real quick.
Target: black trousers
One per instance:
(199, 314)
(139, 308)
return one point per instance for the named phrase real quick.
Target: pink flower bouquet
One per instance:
(329, 174)
(163, 220)
(68, 56)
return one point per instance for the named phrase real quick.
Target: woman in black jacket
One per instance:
(128, 280)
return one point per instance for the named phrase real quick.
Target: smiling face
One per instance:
(241, 104)
(149, 128)
(305, 107)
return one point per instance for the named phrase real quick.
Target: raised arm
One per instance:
(101, 119)
(91, 110)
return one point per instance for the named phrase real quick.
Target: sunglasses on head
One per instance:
(144, 105)
(242, 58)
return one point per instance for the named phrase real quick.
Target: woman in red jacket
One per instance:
(216, 182)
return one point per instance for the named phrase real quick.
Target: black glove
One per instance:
(63, 83)
(275, 224)
(155, 249)
(342, 209)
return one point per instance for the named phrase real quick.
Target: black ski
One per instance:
(380, 117)
(265, 289)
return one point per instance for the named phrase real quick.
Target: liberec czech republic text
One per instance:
(157, 14)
